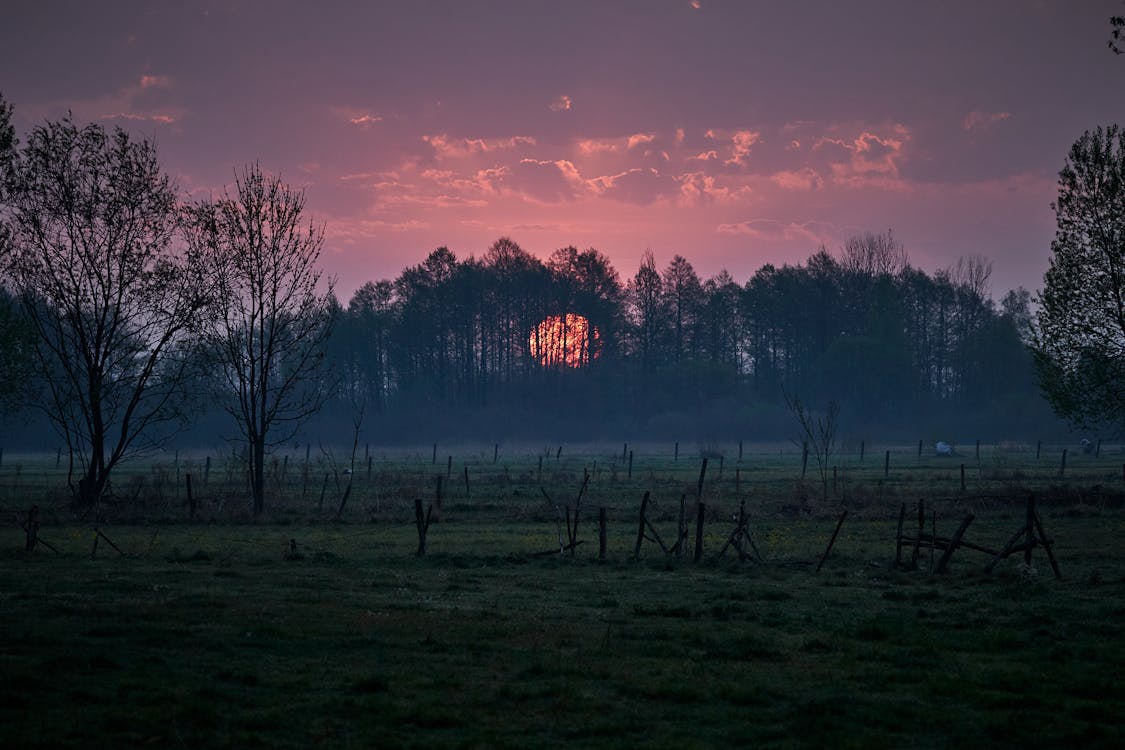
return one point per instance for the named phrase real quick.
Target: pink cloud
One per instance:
(638, 139)
(561, 104)
(978, 120)
(711, 155)
(161, 119)
(741, 143)
(799, 179)
(155, 82)
(453, 148)
(813, 232)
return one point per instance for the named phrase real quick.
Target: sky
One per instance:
(733, 133)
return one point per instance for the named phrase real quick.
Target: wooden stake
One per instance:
(641, 526)
(601, 533)
(676, 452)
(630, 476)
(887, 465)
(804, 458)
(190, 497)
(1062, 466)
(435, 453)
(739, 450)
(832, 540)
(681, 527)
(700, 510)
(702, 474)
(1038, 448)
(466, 481)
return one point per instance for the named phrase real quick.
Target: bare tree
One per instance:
(92, 220)
(270, 325)
(818, 432)
(871, 254)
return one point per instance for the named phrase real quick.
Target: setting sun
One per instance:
(565, 340)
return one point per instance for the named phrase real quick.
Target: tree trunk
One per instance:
(258, 474)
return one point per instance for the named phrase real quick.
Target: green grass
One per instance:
(208, 635)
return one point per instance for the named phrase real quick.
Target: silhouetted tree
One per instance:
(1080, 338)
(267, 331)
(92, 221)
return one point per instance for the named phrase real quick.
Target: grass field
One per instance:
(214, 634)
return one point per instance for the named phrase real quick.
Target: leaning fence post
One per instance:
(832, 540)
(641, 526)
(1062, 466)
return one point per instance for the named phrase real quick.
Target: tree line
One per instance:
(862, 327)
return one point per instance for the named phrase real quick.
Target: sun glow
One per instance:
(565, 341)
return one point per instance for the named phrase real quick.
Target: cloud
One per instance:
(696, 188)
(641, 186)
(869, 159)
(561, 104)
(155, 82)
(711, 155)
(454, 148)
(814, 232)
(978, 120)
(741, 143)
(798, 179)
(638, 139)
(161, 119)
(543, 181)
(359, 117)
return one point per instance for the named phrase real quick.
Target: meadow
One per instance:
(316, 626)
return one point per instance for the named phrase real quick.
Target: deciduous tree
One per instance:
(269, 326)
(93, 261)
(1080, 338)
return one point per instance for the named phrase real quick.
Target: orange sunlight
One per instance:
(565, 340)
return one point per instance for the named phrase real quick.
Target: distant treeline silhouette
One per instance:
(449, 346)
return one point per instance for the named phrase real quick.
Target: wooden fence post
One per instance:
(641, 526)
(630, 465)
(190, 497)
(887, 465)
(1062, 466)
(700, 510)
(601, 533)
(832, 540)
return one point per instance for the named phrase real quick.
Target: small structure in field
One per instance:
(943, 448)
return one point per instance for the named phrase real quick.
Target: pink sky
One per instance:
(733, 133)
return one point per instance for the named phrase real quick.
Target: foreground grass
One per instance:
(204, 636)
